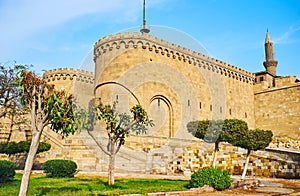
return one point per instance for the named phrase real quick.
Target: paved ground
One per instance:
(266, 186)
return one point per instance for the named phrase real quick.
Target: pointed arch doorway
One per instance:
(161, 112)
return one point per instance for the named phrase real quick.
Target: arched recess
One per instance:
(116, 83)
(170, 113)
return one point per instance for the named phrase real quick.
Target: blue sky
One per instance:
(60, 33)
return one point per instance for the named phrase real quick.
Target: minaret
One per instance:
(144, 29)
(270, 64)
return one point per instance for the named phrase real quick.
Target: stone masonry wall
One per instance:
(172, 83)
(154, 155)
(278, 108)
(78, 82)
(267, 163)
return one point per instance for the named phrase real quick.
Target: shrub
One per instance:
(60, 168)
(216, 178)
(24, 146)
(11, 148)
(7, 171)
(43, 147)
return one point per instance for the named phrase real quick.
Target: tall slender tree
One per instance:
(47, 107)
(118, 126)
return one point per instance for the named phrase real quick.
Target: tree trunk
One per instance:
(37, 126)
(246, 164)
(10, 127)
(29, 162)
(215, 154)
(111, 166)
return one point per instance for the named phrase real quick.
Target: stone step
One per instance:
(126, 159)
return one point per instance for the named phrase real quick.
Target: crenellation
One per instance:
(159, 45)
(104, 38)
(118, 35)
(188, 50)
(168, 45)
(144, 35)
(136, 34)
(126, 34)
(67, 74)
(111, 37)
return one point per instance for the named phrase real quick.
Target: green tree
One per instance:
(210, 131)
(233, 129)
(9, 94)
(256, 139)
(118, 126)
(47, 107)
(216, 131)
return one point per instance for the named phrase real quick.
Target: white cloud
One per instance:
(286, 38)
(27, 16)
(21, 19)
(24, 24)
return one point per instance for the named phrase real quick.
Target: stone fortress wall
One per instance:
(75, 81)
(277, 107)
(191, 83)
(78, 82)
(116, 54)
(176, 85)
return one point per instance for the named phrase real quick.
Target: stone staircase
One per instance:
(82, 149)
(19, 132)
(131, 158)
(127, 160)
(4, 133)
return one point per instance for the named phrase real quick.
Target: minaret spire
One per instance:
(144, 29)
(270, 64)
(268, 38)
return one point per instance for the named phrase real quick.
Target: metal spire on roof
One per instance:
(144, 29)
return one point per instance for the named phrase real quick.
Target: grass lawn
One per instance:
(42, 185)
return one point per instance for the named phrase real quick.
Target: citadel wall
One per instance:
(80, 83)
(277, 107)
(175, 85)
(190, 85)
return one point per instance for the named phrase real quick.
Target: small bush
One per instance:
(12, 148)
(60, 168)
(216, 178)
(43, 147)
(7, 171)
(22, 146)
